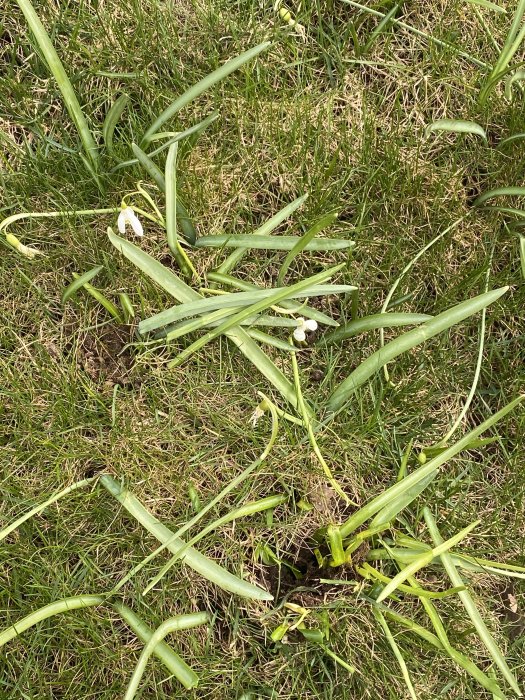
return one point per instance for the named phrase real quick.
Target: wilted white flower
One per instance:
(256, 415)
(303, 326)
(128, 216)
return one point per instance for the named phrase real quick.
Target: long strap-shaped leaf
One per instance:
(423, 560)
(368, 323)
(173, 662)
(203, 85)
(64, 84)
(274, 298)
(181, 622)
(77, 602)
(264, 230)
(229, 240)
(430, 468)
(407, 341)
(194, 559)
(233, 300)
(470, 606)
(183, 293)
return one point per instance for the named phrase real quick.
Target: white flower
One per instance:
(256, 415)
(128, 216)
(302, 328)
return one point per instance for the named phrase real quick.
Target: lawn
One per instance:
(337, 107)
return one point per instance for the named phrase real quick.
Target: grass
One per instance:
(82, 395)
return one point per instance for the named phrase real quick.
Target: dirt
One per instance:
(105, 357)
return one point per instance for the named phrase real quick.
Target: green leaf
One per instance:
(192, 558)
(203, 85)
(110, 122)
(303, 242)
(407, 341)
(103, 300)
(274, 298)
(456, 126)
(180, 622)
(77, 602)
(368, 323)
(263, 230)
(488, 5)
(261, 242)
(470, 606)
(237, 299)
(160, 274)
(178, 289)
(172, 661)
(429, 469)
(500, 192)
(79, 282)
(518, 75)
(38, 509)
(171, 213)
(423, 560)
(150, 167)
(57, 69)
(397, 651)
(522, 255)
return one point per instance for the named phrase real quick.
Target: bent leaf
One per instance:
(456, 126)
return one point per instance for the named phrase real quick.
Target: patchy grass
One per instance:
(80, 395)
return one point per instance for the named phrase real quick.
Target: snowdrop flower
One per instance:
(256, 416)
(128, 216)
(302, 328)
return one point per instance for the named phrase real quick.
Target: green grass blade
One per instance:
(369, 323)
(407, 341)
(77, 602)
(456, 126)
(111, 120)
(264, 230)
(192, 558)
(79, 282)
(383, 25)
(431, 467)
(38, 509)
(57, 69)
(470, 606)
(171, 660)
(500, 192)
(510, 139)
(303, 242)
(203, 85)
(395, 648)
(272, 299)
(181, 622)
(261, 242)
